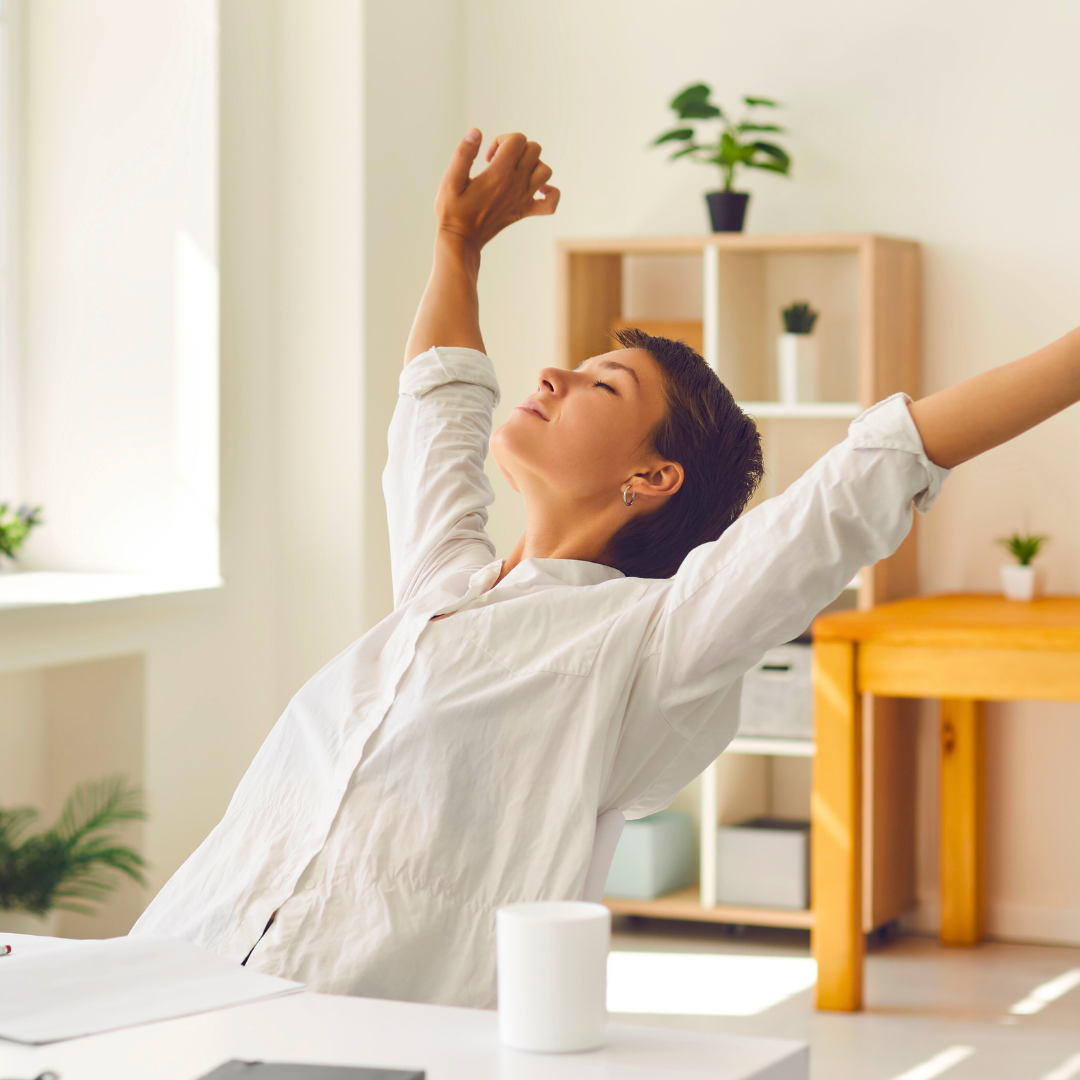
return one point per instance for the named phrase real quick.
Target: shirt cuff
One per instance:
(888, 426)
(442, 365)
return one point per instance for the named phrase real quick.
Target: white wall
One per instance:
(949, 123)
(414, 115)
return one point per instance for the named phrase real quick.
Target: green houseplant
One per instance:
(75, 863)
(15, 526)
(1019, 581)
(736, 145)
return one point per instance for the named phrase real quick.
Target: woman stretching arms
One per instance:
(456, 757)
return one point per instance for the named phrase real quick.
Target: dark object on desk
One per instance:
(286, 1070)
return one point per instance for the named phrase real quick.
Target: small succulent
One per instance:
(1023, 547)
(730, 149)
(15, 526)
(799, 318)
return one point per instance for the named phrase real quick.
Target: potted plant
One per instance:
(70, 865)
(797, 355)
(15, 526)
(1019, 582)
(736, 145)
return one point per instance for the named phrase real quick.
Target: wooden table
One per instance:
(965, 650)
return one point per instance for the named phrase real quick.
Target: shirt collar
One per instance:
(559, 572)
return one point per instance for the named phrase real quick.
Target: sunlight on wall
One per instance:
(704, 984)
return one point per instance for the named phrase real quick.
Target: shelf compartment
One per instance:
(686, 904)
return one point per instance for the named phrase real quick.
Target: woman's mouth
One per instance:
(528, 405)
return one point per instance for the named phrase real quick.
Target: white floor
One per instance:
(930, 1011)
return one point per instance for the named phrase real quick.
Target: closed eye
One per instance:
(610, 389)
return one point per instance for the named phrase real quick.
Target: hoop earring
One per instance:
(633, 496)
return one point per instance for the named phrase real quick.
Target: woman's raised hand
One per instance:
(514, 185)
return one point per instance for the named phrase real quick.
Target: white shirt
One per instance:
(435, 771)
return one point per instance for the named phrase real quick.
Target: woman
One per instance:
(456, 757)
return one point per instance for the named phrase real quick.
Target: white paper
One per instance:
(53, 989)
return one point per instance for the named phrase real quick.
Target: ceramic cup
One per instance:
(552, 960)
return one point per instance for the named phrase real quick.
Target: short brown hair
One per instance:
(715, 442)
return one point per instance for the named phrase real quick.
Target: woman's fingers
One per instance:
(506, 150)
(529, 158)
(546, 203)
(541, 174)
(457, 172)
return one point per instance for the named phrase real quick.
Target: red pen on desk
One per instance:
(4, 950)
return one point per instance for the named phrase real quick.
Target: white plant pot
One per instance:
(1018, 582)
(797, 368)
(22, 922)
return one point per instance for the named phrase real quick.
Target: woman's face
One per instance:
(584, 433)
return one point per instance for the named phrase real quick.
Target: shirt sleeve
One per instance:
(434, 484)
(760, 585)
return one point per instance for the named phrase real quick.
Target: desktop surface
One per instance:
(446, 1043)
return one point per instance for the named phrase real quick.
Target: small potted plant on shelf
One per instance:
(52, 871)
(1019, 582)
(15, 526)
(736, 145)
(797, 354)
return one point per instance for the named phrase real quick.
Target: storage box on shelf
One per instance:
(764, 862)
(723, 294)
(656, 856)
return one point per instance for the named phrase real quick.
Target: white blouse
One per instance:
(435, 771)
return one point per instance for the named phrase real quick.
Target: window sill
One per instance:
(57, 588)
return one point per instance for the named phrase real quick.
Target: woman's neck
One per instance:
(586, 539)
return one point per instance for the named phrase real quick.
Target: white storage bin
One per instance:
(764, 862)
(777, 701)
(656, 855)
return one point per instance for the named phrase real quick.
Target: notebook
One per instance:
(53, 989)
(283, 1070)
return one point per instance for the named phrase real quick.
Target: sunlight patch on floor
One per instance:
(938, 1064)
(704, 984)
(1067, 1070)
(1048, 992)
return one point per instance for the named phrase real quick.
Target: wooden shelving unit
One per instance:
(722, 293)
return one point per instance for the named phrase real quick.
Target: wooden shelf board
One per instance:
(687, 905)
(771, 746)
(804, 410)
(750, 242)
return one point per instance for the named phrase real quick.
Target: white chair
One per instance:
(609, 827)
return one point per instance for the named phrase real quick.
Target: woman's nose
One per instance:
(554, 380)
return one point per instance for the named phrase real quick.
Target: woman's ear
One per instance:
(663, 480)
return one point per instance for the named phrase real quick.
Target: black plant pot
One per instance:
(727, 210)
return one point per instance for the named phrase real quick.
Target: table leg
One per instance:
(836, 836)
(963, 766)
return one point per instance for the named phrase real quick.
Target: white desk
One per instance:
(450, 1044)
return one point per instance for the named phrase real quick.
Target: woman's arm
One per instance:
(471, 210)
(984, 411)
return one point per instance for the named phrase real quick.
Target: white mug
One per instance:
(552, 959)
